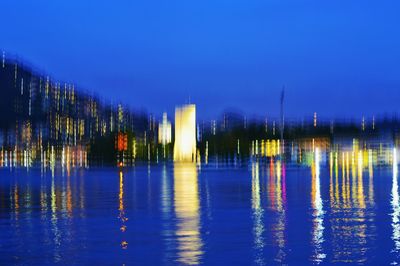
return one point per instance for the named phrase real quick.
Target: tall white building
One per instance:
(164, 131)
(185, 133)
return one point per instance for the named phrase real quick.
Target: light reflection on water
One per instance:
(278, 184)
(167, 213)
(269, 196)
(395, 205)
(346, 212)
(352, 211)
(187, 211)
(258, 212)
(318, 212)
(122, 216)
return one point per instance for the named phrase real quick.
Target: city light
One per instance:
(185, 133)
(199, 133)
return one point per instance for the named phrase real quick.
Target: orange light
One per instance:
(122, 142)
(124, 245)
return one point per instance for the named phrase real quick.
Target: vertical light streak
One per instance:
(121, 208)
(395, 205)
(187, 206)
(318, 212)
(54, 221)
(258, 213)
(166, 206)
(371, 178)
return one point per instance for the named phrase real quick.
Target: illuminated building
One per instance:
(164, 131)
(49, 121)
(46, 123)
(185, 133)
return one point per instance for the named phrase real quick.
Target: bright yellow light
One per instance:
(187, 206)
(185, 133)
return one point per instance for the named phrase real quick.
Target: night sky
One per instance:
(338, 58)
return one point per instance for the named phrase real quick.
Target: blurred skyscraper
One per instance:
(164, 131)
(185, 133)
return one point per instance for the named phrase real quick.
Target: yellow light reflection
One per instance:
(276, 195)
(121, 208)
(349, 219)
(187, 206)
(371, 178)
(360, 185)
(16, 201)
(69, 196)
(54, 221)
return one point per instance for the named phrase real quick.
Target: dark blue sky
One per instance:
(334, 57)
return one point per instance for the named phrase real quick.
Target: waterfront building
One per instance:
(185, 133)
(164, 131)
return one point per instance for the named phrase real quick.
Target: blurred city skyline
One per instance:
(337, 59)
(220, 113)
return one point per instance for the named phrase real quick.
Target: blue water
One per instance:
(177, 215)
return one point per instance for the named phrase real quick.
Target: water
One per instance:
(263, 214)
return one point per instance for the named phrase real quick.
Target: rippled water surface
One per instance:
(262, 214)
